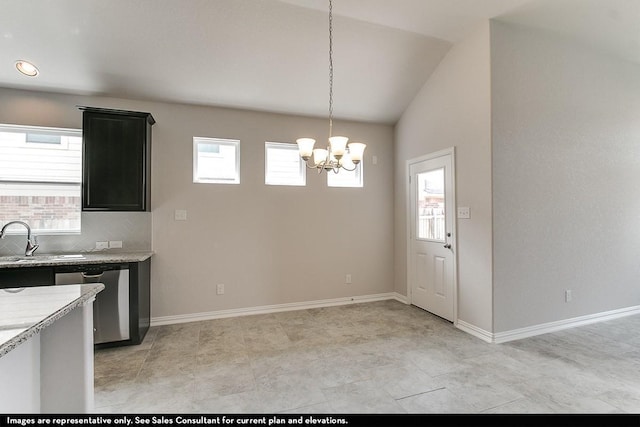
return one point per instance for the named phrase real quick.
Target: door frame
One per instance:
(454, 227)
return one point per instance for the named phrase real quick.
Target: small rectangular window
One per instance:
(40, 175)
(216, 160)
(283, 165)
(346, 178)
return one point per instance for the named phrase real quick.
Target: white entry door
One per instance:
(431, 258)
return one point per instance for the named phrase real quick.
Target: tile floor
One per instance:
(368, 358)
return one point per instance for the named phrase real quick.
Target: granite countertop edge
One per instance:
(90, 292)
(44, 260)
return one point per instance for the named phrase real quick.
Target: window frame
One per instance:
(302, 177)
(63, 145)
(197, 140)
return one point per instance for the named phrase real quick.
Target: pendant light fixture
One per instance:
(338, 154)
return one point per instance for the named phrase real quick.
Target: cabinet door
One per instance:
(114, 162)
(21, 277)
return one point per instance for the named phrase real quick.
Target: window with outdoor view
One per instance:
(283, 165)
(216, 160)
(40, 177)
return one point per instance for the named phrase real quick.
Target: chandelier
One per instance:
(338, 154)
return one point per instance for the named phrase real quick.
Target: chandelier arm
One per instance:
(320, 167)
(312, 167)
(309, 167)
(350, 170)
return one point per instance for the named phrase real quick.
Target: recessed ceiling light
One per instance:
(27, 68)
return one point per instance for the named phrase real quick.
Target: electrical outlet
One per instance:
(102, 245)
(464, 213)
(568, 296)
(180, 215)
(220, 289)
(347, 279)
(115, 243)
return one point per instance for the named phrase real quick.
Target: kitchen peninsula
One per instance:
(46, 349)
(122, 310)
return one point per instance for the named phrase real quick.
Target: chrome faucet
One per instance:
(32, 243)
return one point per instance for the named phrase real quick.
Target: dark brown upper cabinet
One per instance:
(116, 160)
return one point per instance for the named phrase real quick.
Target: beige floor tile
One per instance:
(438, 401)
(378, 357)
(362, 397)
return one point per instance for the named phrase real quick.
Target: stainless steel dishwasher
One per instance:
(111, 307)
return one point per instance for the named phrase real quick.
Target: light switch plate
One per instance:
(180, 215)
(464, 213)
(102, 245)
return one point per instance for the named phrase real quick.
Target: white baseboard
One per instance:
(475, 331)
(482, 334)
(545, 328)
(195, 317)
(401, 298)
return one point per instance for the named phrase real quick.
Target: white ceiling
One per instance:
(273, 54)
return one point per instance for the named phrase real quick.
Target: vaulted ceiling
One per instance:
(272, 55)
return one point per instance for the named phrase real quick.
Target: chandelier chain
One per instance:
(330, 68)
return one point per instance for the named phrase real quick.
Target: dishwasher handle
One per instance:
(92, 276)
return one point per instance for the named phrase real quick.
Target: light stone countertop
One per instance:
(24, 312)
(39, 260)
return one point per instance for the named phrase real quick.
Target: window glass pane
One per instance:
(43, 138)
(283, 165)
(216, 160)
(47, 207)
(345, 178)
(431, 224)
(209, 148)
(40, 179)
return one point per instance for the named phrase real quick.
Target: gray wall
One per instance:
(566, 167)
(132, 228)
(268, 245)
(453, 110)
